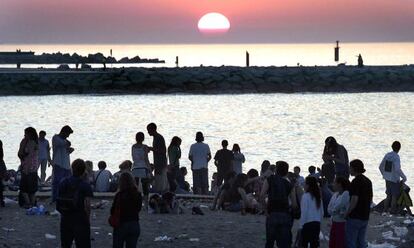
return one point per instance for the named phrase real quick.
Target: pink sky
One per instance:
(170, 21)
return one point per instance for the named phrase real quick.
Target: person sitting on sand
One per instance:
(125, 166)
(164, 204)
(214, 184)
(102, 178)
(238, 159)
(337, 208)
(390, 168)
(183, 185)
(74, 204)
(237, 199)
(359, 208)
(221, 194)
(281, 200)
(199, 156)
(254, 183)
(127, 204)
(29, 157)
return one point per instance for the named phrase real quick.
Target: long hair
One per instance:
(236, 148)
(31, 134)
(126, 181)
(331, 146)
(175, 141)
(314, 190)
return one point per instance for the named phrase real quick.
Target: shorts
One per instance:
(392, 189)
(200, 178)
(29, 183)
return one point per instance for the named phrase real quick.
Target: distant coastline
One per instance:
(207, 80)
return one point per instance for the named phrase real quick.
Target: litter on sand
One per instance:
(194, 240)
(8, 229)
(383, 245)
(50, 236)
(164, 238)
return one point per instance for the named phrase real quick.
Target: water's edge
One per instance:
(208, 80)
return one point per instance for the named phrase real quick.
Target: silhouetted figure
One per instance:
(3, 171)
(141, 166)
(238, 159)
(224, 162)
(337, 51)
(199, 156)
(44, 155)
(159, 152)
(335, 158)
(360, 61)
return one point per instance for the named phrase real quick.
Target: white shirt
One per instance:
(43, 149)
(102, 180)
(309, 210)
(395, 173)
(238, 160)
(139, 156)
(199, 152)
(61, 156)
(338, 205)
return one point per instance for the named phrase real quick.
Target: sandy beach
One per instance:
(214, 229)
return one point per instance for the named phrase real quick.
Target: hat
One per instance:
(357, 165)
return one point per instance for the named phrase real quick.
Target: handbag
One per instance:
(115, 217)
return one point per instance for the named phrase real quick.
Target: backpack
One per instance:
(67, 201)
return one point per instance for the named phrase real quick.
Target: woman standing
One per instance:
(337, 208)
(174, 155)
(127, 205)
(28, 154)
(141, 166)
(311, 213)
(238, 159)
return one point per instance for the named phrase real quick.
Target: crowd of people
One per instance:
(281, 195)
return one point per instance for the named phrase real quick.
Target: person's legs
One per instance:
(271, 230)
(58, 175)
(284, 231)
(132, 236)
(66, 232)
(315, 228)
(351, 233)
(196, 182)
(362, 230)
(204, 181)
(43, 165)
(1, 194)
(117, 241)
(82, 233)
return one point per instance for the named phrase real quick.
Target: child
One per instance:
(337, 208)
(214, 184)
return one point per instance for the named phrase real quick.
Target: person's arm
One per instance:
(398, 169)
(263, 194)
(147, 162)
(243, 159)
(49, 158)
(292, 197)
(382, 165)
(352, 205)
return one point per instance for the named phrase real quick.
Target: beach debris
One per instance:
(194, 239)
(109, 234)
(389, 236)
(203, 206)
(97, 233)
(182, 236)
(50, 236)
(100, 205)
(383, 245)
(95, 228)
(164, 238)
(8, 229)
(408, 221)
(55, 213)
(159, 221)
(9, 201)
(400, 231)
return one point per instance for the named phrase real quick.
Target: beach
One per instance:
(215, 229)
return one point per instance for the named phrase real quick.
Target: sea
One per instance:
(289, 127)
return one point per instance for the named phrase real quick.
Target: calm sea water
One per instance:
(234, 54)
(289, 127)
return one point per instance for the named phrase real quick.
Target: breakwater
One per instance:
(207, 80)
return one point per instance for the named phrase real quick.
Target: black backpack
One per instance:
(67, 201)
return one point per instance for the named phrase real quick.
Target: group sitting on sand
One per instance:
(280, 195)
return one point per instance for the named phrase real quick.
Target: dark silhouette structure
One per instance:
(360, 61)
(247, 59)
(337, 51)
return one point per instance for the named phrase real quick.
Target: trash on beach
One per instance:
(97, 233)
(164, 238)
(203, 206)
(408, 221)
(95, 228)
(383, 245)
(9, 201)
(55, 213)
(194, 240)
(378, 226)
(100, 205)
(183, 235)
(159, 221)
(389, 236)
(50, 236)
(400, 231)
(8, 229)
(109, 234)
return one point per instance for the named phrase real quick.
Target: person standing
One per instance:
(390, 168)
(3, 171)
(159, 152)
(336, 162)
(359, 207)
(127, 203)
(279, 221)
(224, 162)
(311, 213)
(199, 156)
(44, 155)
(29, 157)
(141, 167)
(74, 204)
(337, 208)
(299, 179)
(62, 148)
(238, 159)
(174, 155)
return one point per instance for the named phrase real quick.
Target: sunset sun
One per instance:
(213, 23)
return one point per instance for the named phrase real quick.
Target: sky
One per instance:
(175, 21)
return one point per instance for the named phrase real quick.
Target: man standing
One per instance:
(159, 152)
(61, 158)
(74, 205)
(279, 219)
(44, 155)
(199, 156)
(390, 168)
(359, 207)
(224, 162)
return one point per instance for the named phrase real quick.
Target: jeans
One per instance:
(355, 231)
(76, 228)
(127, 234)
(58, 174)
(278, 228)
(310, 234)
